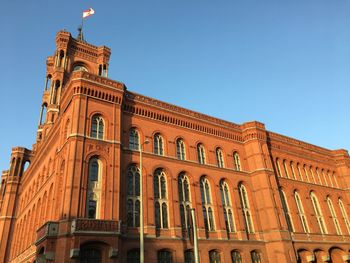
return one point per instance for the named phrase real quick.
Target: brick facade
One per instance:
(255, 193)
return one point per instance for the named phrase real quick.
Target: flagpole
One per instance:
(195, 237)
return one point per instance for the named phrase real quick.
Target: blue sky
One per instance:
(284, 63)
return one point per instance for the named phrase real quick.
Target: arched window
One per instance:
(301, 212)
(207, 205)
(185, 202)
(278, 167)
(79, 68)
(90, 255)
(306, 174)
(220, 158)
(246, 208)
(61, 56)
(285, 169)
(255, 255)
(201, 153)
(286, 211)
(180, 149)
(189, 256)
(134, 141)
(160, 199)
(335, 180)
(54, 96)
(334, 216)
(97, 127)
(237, 161)
(214, 256)
(94, 188)
(318, 176)
(344, 215)
(226, 204)
(324, 177)
(133, 196)
(312, 175)
(164, 256)
(292, 170)
(158, 144)
(299, 172)
(236, 256)
(318, 213)
(133, 256)
(330, 178)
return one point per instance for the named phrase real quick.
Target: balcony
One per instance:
(84, 225)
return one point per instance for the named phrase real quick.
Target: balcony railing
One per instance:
(83, 225)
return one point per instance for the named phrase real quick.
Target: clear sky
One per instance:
(283, 63)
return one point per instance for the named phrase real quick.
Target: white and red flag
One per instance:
(88, 12)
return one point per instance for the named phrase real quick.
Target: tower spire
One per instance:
(80, 33)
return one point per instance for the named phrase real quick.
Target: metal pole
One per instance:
(141, 210)
(142, 250)
(195, 237)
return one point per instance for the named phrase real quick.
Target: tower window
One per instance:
(237, 162)
(201, 153)
(207, 205)
(97, 126)
(220, 158)
(180, 149)
(80, 68)
(158, 144)
(134, 141)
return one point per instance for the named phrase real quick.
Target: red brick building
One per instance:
(258, 196)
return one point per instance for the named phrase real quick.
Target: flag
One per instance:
(88, 12)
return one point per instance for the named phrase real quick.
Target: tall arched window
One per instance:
(318, 213)
(226, 204)
(160, 199)
(255, 255)
(134, 141)
(286, 211)
(97, 127)
(133, 196)
(306, 174)
(292, 170)
(180, 149)
(207, 204)
(318, 176)
(334, 216)
(312, 175)
(246, 208)
(301, 212)
(299, 172)
(330, 178)
(94, 188)
(237, 161)
(158, 144)
(324, 177)
(278, 167)
(220, 158)
(236, 256)
(185, 201)
(285, 169)
(344, 215)
(335, 180)
(214, 256)
(164, 256)
(201, 153)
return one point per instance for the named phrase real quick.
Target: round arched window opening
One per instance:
(80, 68)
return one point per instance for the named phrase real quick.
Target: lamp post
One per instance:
(142, 250)
(195, 237)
